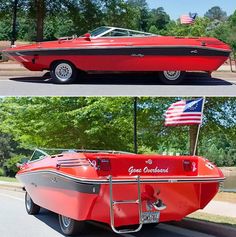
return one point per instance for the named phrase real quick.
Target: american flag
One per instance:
(185, 112)
(188, 19)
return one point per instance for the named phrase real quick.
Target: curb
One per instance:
(207, 227)
(11, 186)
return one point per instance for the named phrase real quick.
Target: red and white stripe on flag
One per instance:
(186, 19)
(181, 113)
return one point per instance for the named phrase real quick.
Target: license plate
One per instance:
(150, 217)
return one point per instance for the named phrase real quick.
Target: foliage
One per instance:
(70, 122)
(159, 18)
(10, 165)
(72, 17)
(8, 179)
(2, 173)
(143, 13)
(197, 29)
(153, 30)
(8, 150)
(216, 13)
(7, 147)
(107, 123)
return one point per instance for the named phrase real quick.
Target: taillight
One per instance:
(187, 164)
(103, 164)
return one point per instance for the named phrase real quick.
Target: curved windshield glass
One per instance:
(99, 31)
(38, 154)
(106, 31)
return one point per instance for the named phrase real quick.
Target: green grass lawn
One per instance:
(224, 220)
(8, 179)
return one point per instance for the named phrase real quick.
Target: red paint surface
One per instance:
(180, 199)
(123, 63)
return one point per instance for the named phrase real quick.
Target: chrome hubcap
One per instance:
(172, 75)
(65, 221)
(28, 202)
(63, 71)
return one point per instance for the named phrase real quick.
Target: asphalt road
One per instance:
(196, 84)
(15, 222)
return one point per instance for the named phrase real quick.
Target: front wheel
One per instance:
(172, 77)
(63, 72)
(31, 207)
(70, 226)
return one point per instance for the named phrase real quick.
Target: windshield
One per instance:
(38, 154)
(99, 31)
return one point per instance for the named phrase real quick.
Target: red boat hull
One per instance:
(116, 63)
(126, 54)
(75, 185)
(180, 199)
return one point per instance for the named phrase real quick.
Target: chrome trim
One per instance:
(127, 181)
(125, 202)
(91, 47)
(113, 203)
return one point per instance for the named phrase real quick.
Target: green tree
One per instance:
(197, 29)
(216, 13)
(159, 18)
(70, 122)
(119, 13)
(143, 13)
(107, 123)
(153, 30)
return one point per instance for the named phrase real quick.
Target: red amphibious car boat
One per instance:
(123, 190)
(110, 49)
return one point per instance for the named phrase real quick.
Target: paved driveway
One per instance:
(24, 83)
(14, 222)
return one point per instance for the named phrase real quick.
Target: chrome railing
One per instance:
(136, 202)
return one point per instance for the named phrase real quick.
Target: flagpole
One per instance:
(198, 130)
(135, 125)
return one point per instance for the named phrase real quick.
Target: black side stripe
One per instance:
(158, 51)
(53, 180)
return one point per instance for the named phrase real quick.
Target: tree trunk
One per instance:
(15, 6)
(192, 138)
(40, 15)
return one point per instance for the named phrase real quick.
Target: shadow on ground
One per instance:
(91, 230)
(102, 230)
(199, 79)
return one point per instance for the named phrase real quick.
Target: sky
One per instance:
(175, 8)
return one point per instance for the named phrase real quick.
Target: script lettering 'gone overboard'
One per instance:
(146, 170)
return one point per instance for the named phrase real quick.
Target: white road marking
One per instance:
(9, 196)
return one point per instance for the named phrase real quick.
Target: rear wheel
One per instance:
(31, 207)
(172, 77)
(70, 226)
(63, 72)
